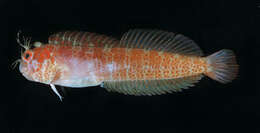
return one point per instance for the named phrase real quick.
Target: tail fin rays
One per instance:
(223, 66)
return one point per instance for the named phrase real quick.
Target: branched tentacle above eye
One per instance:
(26, 41)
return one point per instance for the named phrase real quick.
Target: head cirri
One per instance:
(38, 63)
(34, 62)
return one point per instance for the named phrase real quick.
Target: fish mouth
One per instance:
(20, 67)
(24, 70)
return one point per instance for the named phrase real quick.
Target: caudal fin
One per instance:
(222, 66)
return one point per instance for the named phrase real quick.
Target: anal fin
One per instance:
(151, 87)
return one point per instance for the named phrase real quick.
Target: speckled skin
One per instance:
(79, 66)
(88, 62)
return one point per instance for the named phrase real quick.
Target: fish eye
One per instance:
(27, 55)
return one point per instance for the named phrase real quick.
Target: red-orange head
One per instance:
(37, 64)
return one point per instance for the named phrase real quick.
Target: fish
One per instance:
(143, 62)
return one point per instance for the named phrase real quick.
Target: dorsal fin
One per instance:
(161, 41)
(144, 39)
(151, 87)
(82, 38)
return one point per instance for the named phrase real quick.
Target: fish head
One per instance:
(38, 65)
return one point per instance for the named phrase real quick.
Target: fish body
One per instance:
(143, 62)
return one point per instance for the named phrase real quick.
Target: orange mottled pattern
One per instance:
(46, 68)
(138, 64)
(119, 63)
(134, 64)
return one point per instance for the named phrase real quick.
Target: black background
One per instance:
(208, 107)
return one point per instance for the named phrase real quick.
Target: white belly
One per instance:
(78, 74)
(78, 82)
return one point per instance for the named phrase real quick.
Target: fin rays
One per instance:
(151, 87)
(142, 39)
(160, 41)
